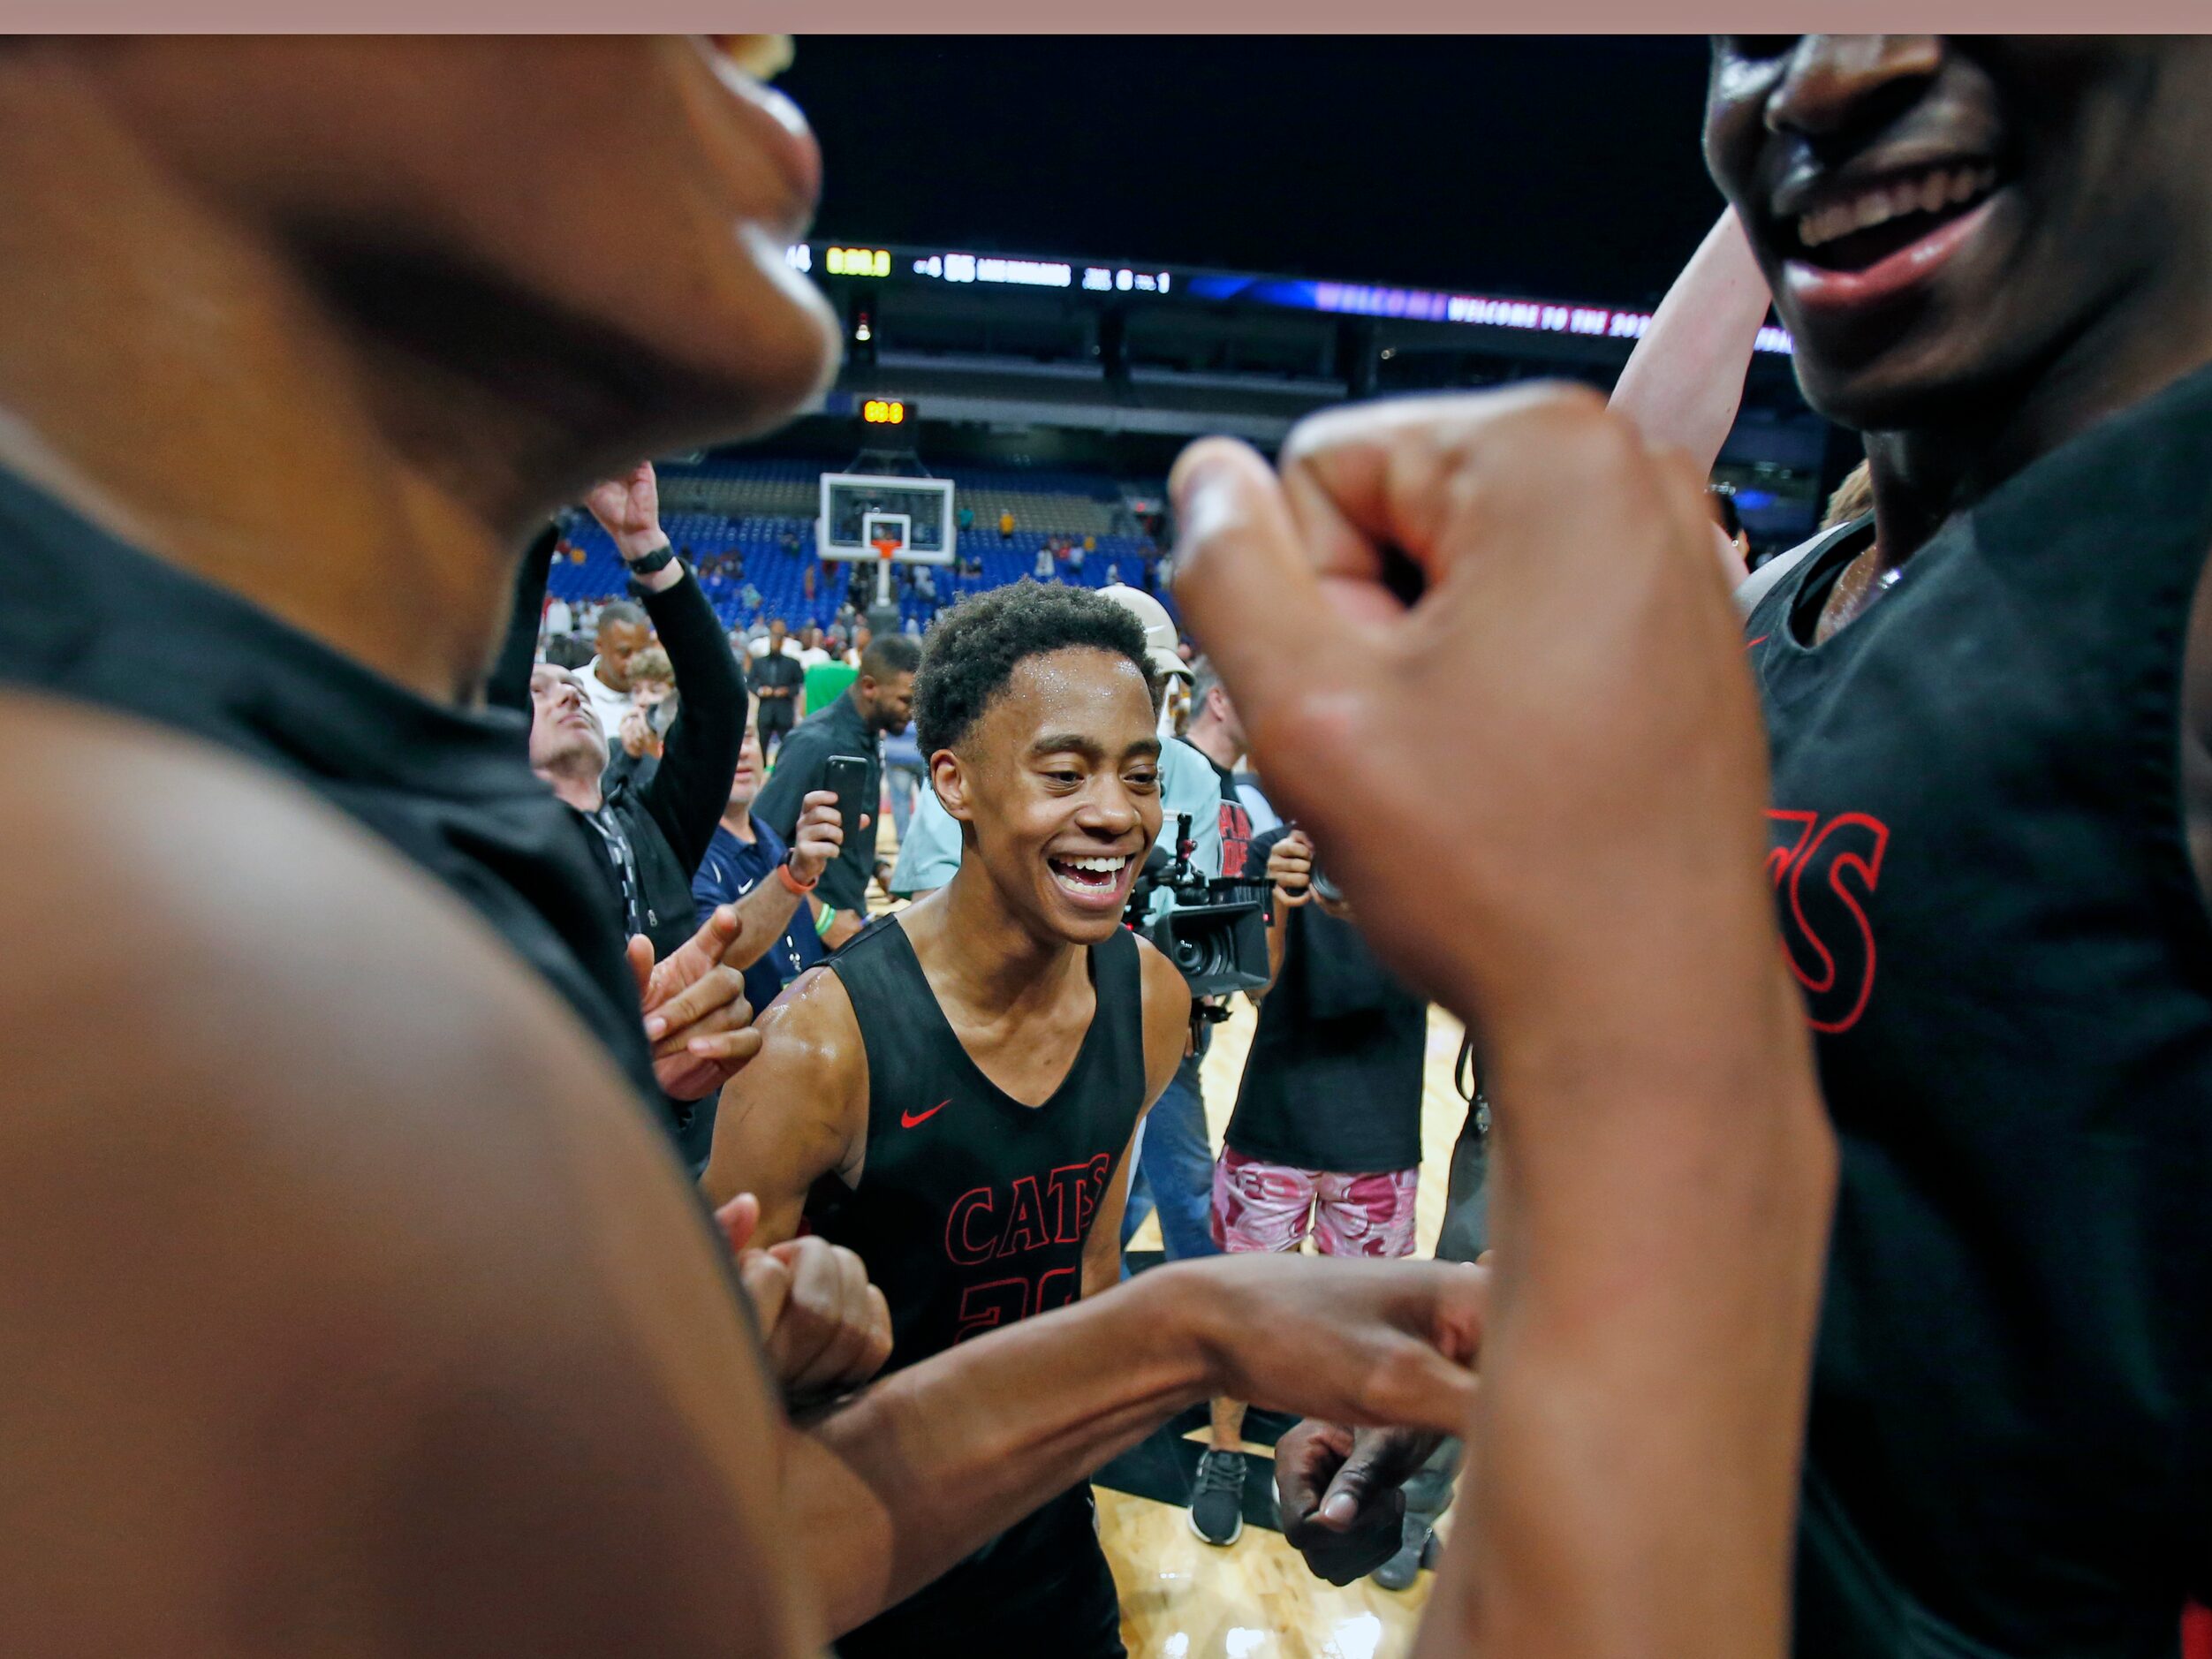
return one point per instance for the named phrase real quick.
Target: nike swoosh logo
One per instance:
(907, 1120)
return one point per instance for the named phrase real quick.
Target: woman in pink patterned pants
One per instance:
(1263, 1206)
(1326, 1137)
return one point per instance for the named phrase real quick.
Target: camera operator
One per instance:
(1176, 1174)
(1214, 731)
(1326, 1136)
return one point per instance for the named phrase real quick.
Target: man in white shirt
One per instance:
(622, 633)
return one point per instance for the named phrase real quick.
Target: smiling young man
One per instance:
(1989, 704)
(1990, 708)
(953, 1096)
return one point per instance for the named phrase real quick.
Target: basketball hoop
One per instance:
(885, 547)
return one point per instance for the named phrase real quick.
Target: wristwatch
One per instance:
(659, 559)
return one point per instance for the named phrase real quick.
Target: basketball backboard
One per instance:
(859, 508)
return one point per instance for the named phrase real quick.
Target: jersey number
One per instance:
(1003, 1301)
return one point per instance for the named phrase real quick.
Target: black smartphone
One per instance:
(846, 774)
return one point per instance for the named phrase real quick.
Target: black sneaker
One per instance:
(1217, 1497)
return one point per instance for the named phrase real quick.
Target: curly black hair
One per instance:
(973, 649)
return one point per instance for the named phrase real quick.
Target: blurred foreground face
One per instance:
(591, 228)
(1938, 217)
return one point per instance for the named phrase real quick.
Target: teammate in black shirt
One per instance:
(1990, 709)
(323, 1060)
(953, 1095)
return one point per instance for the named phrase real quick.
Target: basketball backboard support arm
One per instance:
(887, 533)
(859, 511)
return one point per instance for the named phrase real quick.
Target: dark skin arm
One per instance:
(1289, 866)
(797, 1111)
(1664, 1166)
(396, 1344)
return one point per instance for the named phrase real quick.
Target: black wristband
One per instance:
(659, 559)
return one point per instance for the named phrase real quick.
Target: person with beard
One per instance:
(1989, 703)
(879, 700)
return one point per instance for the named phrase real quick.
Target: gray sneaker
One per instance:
(1217, 1497)
(1414, 1552)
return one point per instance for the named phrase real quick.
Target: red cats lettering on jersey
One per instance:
(981, 1229)
(1822, 871)
(985, 1225)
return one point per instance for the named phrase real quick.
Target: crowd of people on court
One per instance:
(387, 1008)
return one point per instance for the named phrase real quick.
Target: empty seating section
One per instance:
(763, 512)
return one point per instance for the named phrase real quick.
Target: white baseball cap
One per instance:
(1159, 628)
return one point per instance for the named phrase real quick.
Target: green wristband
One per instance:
(823, 921)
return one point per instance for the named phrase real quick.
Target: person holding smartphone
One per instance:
(881, 700)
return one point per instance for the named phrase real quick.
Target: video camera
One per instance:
(1216, 935)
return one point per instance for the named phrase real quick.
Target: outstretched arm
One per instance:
(1684, 380)
(918, 1470)
(692, 785)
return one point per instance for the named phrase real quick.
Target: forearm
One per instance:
(951, 1451)
(692, 787)
(1660, 1227)
(763, 914)
(1278, 937)
(1684, 380)
(507, 686)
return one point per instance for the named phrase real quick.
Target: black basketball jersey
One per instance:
(86, 617)
(971, 1213)
(1979, 863)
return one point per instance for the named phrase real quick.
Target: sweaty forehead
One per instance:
(1099, 696)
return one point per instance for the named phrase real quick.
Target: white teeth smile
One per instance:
(1090, 876)
(1928, 192)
